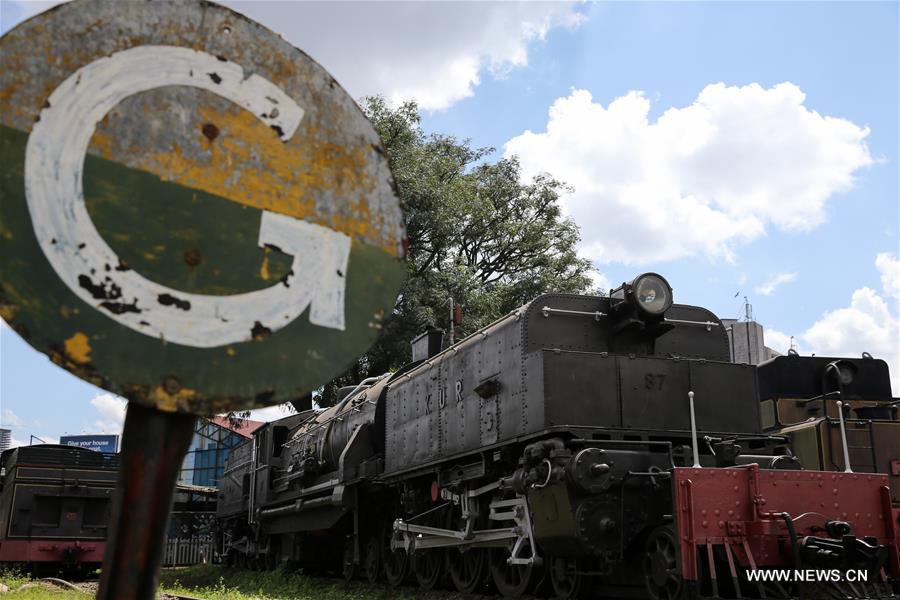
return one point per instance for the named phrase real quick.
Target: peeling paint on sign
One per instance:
(54, 160)
(197, 220)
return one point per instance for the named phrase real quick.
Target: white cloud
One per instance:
(433, 52)
(768, 288)
(778, 341)
(272, 413)
(112, 413)
(867, 325)
(599, 281)
(889, 266)
(11, 419)
(700, 179)
(16, 442)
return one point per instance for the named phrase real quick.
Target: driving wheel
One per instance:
(566, 576)
(512, 581)
(467, 568)
(428, 565)
(396, 562)
(660, 565)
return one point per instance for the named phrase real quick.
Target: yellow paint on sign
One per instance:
(167, 402)
(78, 348)
(246, 163)
(264, 269)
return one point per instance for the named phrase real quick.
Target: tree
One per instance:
(477, 233)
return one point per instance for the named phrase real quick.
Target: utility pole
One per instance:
(452, 319)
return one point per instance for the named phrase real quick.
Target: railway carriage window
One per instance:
(95, 513)
(245, 485)
(46, 511)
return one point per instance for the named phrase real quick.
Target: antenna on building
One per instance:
(792, 343)
(748, 310)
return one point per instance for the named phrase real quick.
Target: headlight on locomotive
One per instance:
(652, 294)
(649, 295)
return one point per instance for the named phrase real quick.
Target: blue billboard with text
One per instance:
(100, 443)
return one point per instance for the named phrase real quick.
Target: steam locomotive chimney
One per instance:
(427, 344)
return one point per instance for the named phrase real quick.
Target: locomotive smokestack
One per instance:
(427, 344)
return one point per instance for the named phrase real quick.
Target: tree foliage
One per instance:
(477, 234)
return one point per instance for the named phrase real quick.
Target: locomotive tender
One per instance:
(54, 507)
(603, 444)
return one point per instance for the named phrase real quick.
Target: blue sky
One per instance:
(780, 184)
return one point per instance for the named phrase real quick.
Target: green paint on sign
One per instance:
(189, 240)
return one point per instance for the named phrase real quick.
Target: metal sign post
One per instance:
(193, 215)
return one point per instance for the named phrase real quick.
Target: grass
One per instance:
(23, 587)
(212, 582)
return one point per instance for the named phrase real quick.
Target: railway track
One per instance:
(89, 588)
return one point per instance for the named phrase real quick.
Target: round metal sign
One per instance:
(193, 213)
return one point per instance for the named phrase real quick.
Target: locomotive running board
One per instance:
(411, 537)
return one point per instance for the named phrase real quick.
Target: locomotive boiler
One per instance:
(579, 445)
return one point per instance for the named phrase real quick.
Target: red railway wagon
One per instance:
(54, 507)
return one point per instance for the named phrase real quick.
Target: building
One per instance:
(189, 538)
(213, 440)
(747, 342)
(5, 439)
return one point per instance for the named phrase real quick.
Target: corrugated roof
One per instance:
(243, 427)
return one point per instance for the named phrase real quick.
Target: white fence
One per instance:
(182, 551)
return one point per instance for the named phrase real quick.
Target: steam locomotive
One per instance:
(585, 445)
(54, 508)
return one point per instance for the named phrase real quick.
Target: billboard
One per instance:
(100, 443)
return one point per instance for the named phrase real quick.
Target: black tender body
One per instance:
(528, 374)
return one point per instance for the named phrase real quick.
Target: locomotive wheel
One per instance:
(512, 581)
(396, 567)
(396, 562)
(348, 567)
(566, 577)
(660, 565)
(372, 560)
(467, 569)
(428, 565)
